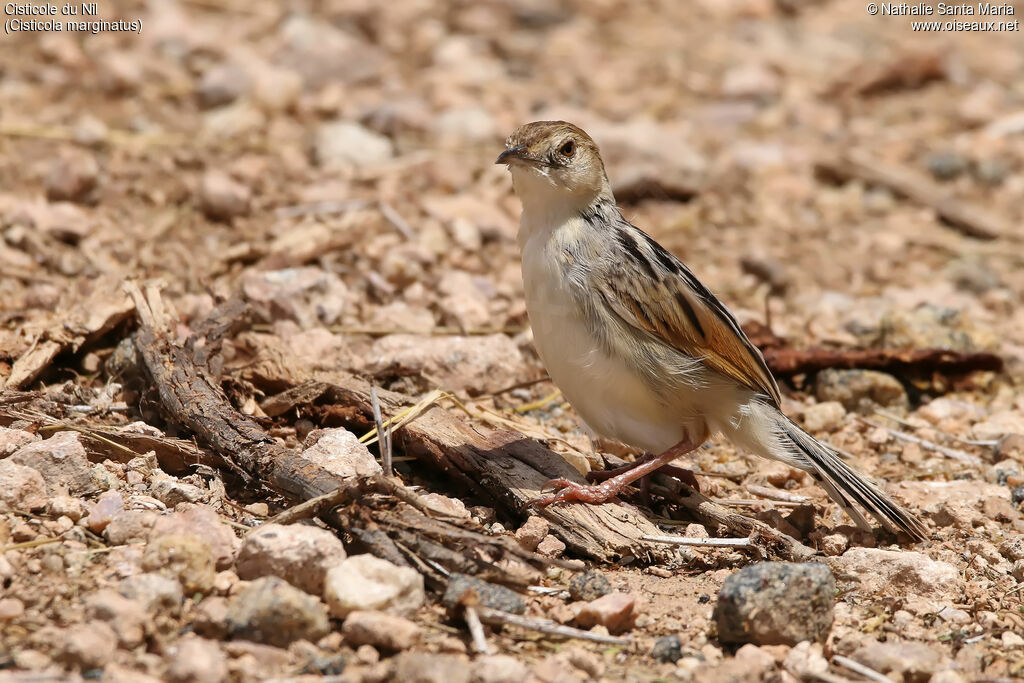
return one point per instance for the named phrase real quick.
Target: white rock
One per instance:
(298, 553)
(339, 452)
(999, 424)
(894, 572)
(21, 487)
(343, 144)
(824, 417)
(365, 582)
(196, 660)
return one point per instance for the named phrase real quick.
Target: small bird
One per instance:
(644, 352)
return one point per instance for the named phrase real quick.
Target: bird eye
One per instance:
(568, 149)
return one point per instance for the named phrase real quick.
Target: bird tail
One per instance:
(844, 484)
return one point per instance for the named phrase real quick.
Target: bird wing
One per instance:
(656, 293)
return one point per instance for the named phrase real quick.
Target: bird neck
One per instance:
(547, 206)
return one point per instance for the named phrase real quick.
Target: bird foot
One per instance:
(571, 491)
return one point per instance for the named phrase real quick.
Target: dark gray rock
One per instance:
(776, 603)
(668, 649)
(487, 594)
(590, 585)
(273, 612)
(947, 165)
(860, 389)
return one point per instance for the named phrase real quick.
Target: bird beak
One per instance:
(511, 154)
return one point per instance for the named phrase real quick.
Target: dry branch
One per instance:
(969, 218)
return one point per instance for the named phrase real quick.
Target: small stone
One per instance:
(196, 660)
(186, 558)
(344, 144)
(13, 439)
(992, 171)
(1011, 641)
(73, 177)
(834, 544)
(221, 84)
(129, 526)
(499, 669)
(211, 618)
(170, 491)
(858, 389)
(476, 365)
(87, 646)
(66, 506)
(908, 661)
(277, 89)
(615, 611)
(258, 509)
(1010, 446)
(204, 522)
(109, 506)
(21, 487)
(11, 608)
(445, 505)
(61, 460)
(126, 617)
(419, 667)
(668, 649)
(383, 631)
(469, 590)
(298, 553)
(339, 452)
(532, 532)
(776, 603)
(947, 164)
(155, 592)
(590, 585)
(824, 417)
(365, 582)
(806, 661)
(222, 197)
(750, 80)
(873, 572)
(367, 654)
(551, 547)
(999, 425)
(271, 611)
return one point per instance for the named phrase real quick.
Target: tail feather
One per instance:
(843, 483)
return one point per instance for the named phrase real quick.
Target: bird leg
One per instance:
(569, 491)
(683, 475)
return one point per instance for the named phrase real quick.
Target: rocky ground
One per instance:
(332, 163)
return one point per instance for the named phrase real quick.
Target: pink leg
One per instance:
(685, 476)
(601, 493)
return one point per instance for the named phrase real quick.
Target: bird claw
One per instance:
(569, 491)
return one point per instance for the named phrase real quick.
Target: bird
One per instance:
(646, 353)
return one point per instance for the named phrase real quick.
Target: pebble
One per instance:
(21, 487)
(776, 603)
(109, 506)
(551, 547)
(806, 661)
(476, 365)
(900, 573)
(87, 646)
(11, 608)
(221, 84)
(532, 532)
(211, 617)
(466, 124)
(204, 522)
(615, 611)
(590, 585)
(222, 198)
(908, 661)
(66, 506)
(129, 526)
(419, 667)
(61, 460)
(272, 611)
(445, 505)
(298, 553)
(13, 439)
(339, 452)
(999, 424)
(341, 144)
(196, 660)
(276, 89)
(860, 389)
(73, 177)
(365, 582)
(126, 617)
(170, 491)
(185, 557)
(668, 649)
(499, 669)
(155, 592)
(824, 417)
(382, 631)
(469, 590)
(947, 164)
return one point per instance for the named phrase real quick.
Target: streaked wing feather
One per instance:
(680, 311)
